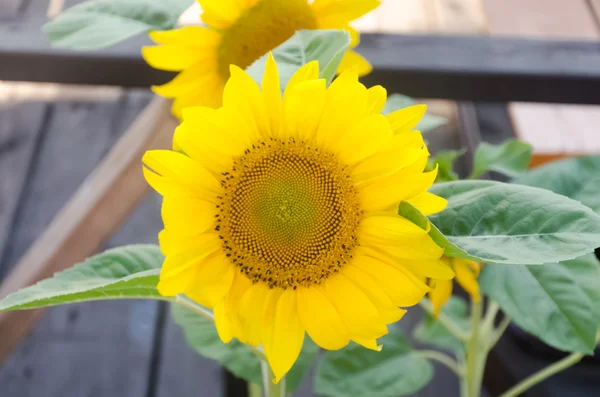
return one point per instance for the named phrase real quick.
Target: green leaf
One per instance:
(577, 178)
(326, 46)
(494, 222)
(431, 331)
(511, 158)
(428, 122)
(559, 303)
(96, 24)
(355, 371)
(445, 160)
(202, 336)
(128, 272)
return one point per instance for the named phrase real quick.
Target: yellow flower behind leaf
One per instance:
(238, 32)
(466, 275)
(281, 214)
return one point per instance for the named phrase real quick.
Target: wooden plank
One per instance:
(183, 372)
(90, 349)
(94, 212)
(552, 130)
(425, 66)
(9, 9)
(20, 126)
(100, 348)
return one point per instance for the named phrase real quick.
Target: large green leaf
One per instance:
(577, 178)
(428, 122)
(357, 372)
(431, 331)
(511, 158)
(326, 46)
(496, 222)
(96, 24)
(127, 272)
(559, 303)
(202, 336)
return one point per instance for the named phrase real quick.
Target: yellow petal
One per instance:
(178, 269)
(356, 309)
(219, 14)
(174, 243)
(252, 305)
(388, 191)
(267, 320)
(353, 60)
(370, 344)
(336, 13)
(181, 169)
(439, 294)
(428, 203)
(288, 335)
(403, 289)
(226, 310)
(431, 268)
(188, 36)
(303, 108)
(364, 139)
(386, 308)
(346, 105)
(210, 95)
(385, 163)
(242, 98)
(321, 319)
(307, 72)
(212, 281)
(405, 120)
(377, 96)
(466, 275)
(171, 57)
(389, 229)
(271, 90)
(188, 216)
(193, 79)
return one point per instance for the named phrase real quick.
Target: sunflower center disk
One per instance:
(289, 215)
(261, 29)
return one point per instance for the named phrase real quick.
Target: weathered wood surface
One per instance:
(552, 129)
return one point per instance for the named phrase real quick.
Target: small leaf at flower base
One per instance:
(128, 272)
(577, 178)
(326, 46)
(202, 336)
(511, 158)
(559, 303)
(357, 372)
(495, 222)
(428, 122)
(96, 24)
(445, 160)
(431, 331)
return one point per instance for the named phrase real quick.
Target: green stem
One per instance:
(271, 389)
(498, 332)
(442, 358)
(445, 321)
(473, 352)
(254, 390)
(545, 373)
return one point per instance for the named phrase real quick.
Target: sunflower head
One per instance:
(466, 275)
(238, 32)
(280, 212)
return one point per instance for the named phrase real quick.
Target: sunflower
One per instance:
(280, 212)
(466, 275)
(238, 32)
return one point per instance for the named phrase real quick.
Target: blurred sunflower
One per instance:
(466, 275)
(281, 214)
(239, 32)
